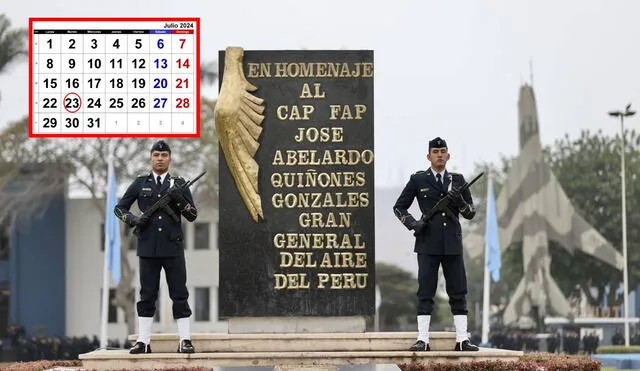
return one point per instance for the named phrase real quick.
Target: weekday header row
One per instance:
(111, 32)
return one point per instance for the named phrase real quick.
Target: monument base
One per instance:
(102, 360)
(308, 342)
(285, 352)
(286, 325)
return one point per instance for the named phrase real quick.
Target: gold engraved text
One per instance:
(320, 200)
(311, 69)
(326, 157)
(319, 220)
(312, 178)
(342, 280)
(294, 112)
(317, 92)
(324, 134)
(259, 70)
(306, 241)
(347, 112)
(291, 281)
(328, 260)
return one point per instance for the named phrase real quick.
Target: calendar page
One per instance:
(114, 77)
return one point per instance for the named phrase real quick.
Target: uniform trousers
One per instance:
(176, 274)
(455, 277)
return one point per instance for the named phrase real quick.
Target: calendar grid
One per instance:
(114, 77)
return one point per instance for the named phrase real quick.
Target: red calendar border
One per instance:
(114, 19)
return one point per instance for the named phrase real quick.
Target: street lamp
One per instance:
(625, 273)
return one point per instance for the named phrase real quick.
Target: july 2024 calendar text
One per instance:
(107, 77)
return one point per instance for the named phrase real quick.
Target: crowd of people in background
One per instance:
(18, 347)
(568, 342)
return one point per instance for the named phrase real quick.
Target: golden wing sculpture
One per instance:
(238, 116)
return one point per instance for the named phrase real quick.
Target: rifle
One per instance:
(443, 204)
(163, 202)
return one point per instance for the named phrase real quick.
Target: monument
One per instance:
(296, 230)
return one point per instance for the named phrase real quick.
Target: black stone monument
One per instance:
(304, 244)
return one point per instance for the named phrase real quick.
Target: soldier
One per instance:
(438, 241)
(160, 245)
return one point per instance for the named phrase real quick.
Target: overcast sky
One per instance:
(442, 68)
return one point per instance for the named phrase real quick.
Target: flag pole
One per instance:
(104, 313)
(486, 283)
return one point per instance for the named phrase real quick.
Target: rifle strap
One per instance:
(171, 213)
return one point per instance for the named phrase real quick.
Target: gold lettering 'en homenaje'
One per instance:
(310, 69)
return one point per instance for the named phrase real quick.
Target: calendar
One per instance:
(114, 77)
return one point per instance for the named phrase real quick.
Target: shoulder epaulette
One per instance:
(419, 172)
(143, 175)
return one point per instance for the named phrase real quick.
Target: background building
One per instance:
(51, 269)
(51, 273)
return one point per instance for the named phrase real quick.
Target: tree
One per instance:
(589, 170)
(13, 44)
(209, 73)
(398, 292)
(35, 189)
(16, 161)
(398, 289)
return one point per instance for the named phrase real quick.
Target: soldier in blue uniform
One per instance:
(160, 245)
(438, 242)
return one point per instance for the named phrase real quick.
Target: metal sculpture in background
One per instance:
(533, 208)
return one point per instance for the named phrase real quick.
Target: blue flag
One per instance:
(491, 238)
(112, 228)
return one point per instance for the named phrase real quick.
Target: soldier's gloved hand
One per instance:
(457, 199)
(177, 196)
(418, 226)
(139, 221)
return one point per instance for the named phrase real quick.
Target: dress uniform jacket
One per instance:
(443, 233)
(162, 236)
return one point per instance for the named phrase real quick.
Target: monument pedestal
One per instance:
(308, 351)
(292, 351)
(286, 325)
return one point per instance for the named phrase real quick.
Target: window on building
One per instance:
(201, 236)
(112, 315)
(5, 240)
(202, 305)
(133, 241)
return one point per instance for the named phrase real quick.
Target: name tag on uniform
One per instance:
(146, 189)
(424, 189)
